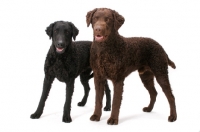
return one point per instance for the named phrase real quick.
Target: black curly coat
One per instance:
(65, 61)
(114, 57)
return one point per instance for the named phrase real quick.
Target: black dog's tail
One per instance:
(91, 76)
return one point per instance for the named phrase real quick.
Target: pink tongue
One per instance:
(59, 49)
(98, 37)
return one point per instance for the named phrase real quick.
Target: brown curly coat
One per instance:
(114, 57)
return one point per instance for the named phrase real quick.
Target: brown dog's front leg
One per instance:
(99, 87)
(118, 90)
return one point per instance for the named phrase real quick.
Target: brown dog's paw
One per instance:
(112, 121)
(172, 118)
(94, 118)
(147, 109)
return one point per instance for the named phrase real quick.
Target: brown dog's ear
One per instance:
(49, 30)
(75, 31)
(118, 20)
(89, 16)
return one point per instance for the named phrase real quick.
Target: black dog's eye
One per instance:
(55, 31)
(66, 32)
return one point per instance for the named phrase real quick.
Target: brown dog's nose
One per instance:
(97, 28)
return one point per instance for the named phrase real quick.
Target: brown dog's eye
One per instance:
(107, 19)
(95, 18)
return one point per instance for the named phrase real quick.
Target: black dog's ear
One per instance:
(75, 31)
(49, 30)
(89, 16)
(118, 20)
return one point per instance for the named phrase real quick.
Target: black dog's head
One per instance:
(61, 33)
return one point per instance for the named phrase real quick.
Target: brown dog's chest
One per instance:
(108, 64)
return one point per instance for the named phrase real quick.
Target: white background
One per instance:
(24, 45)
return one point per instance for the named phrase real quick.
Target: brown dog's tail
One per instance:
(171, 63)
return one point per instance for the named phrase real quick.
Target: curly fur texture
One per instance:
(114, 57)
(65, 61)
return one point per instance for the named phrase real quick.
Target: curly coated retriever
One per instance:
(114, 57)
(65, 61)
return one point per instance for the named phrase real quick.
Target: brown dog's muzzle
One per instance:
(100, 32)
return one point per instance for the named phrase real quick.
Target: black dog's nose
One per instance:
(60, 44)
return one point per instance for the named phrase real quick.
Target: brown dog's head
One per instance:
(104, 21)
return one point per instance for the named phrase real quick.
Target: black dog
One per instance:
(65, 61)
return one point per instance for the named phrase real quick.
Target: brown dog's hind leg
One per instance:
(163, 81)
(147, 79)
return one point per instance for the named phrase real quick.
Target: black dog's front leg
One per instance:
(108, 97)
(67, 107)
(46, 88)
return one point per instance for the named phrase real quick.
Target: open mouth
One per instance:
(59, 50)
(100, 38)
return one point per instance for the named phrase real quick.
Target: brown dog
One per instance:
(114, 57)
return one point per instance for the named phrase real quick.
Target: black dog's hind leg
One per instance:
(108, 97)
(84, 77)
(46, 88)
(67, 107)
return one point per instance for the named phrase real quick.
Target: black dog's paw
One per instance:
(106, 108)
(35, 115)
(81, 104)
(147, 109)
(67, 119)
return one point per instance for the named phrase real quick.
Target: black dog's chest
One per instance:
(60, 70)
(61, 73)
